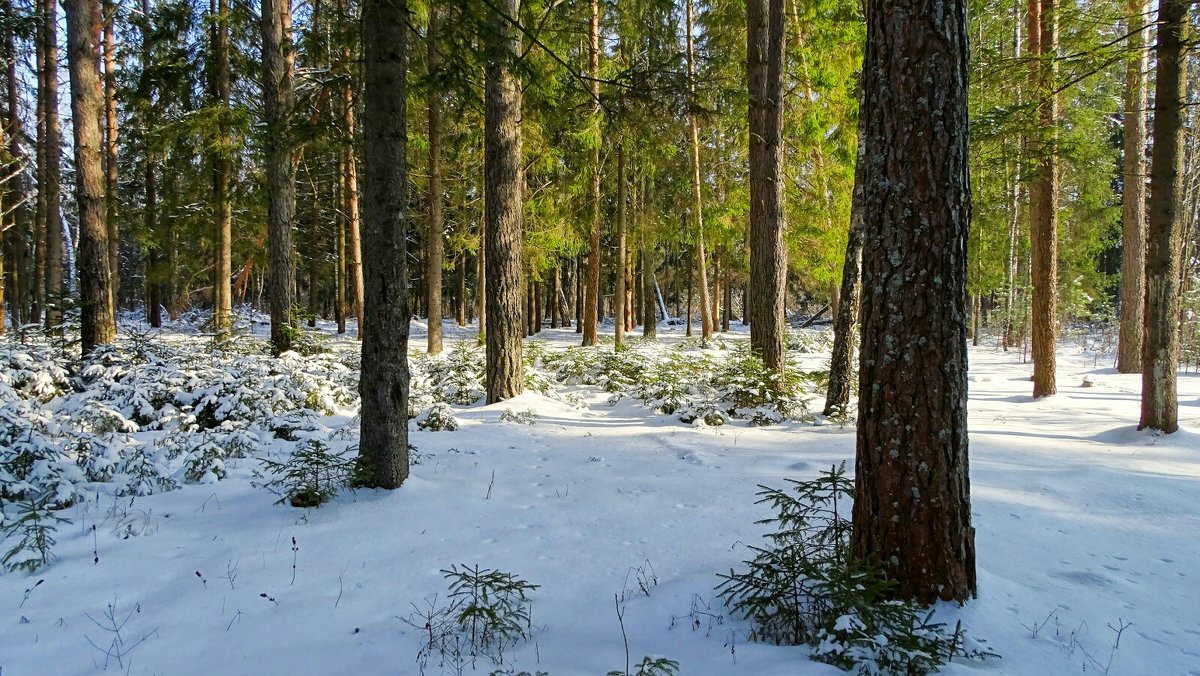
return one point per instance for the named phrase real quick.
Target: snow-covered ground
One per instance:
(1084, 527)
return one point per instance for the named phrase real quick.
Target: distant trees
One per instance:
(912, 506)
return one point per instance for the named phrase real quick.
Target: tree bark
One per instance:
(706, 326)
(51, 173)
(433, 232)
(1160, 356)
(350, 196)
(768, 256)
(845, 321)
(222, 170)
(1043, 197)
(481, 285)
(383, 445)
(502, 208)
(279, 99)
(619, 294)
(97, 322)
(912, 508)
(591, 303)
(1133, 197)
(111, 134)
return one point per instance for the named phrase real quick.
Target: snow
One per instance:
(1084, 526)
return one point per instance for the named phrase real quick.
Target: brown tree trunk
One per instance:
(1133, 196)
(1043, 197)
(556, 293)
(97, 322)
(460, 312)
(768, 257)
(591, 303)
(619, 294)
(154, 296)
(912, 505)
(481, 284)
(350, 195)
(433, 232)
(111, 134)
(706, 325)
(51, 174)
(502, 208)
(845, 320)
(578, 305)
(383, 445)
(279, 99)
(1160, 356)
(222, 170)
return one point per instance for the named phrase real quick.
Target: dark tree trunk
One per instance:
(383, 446)
(555, 294)
(502, 208)
(1043, 197)
(481, 285)
(845, 321)
(619, 293)
(350, 191)
(433, 232)
(279, 99)
(1133, 196)
(51, 174)
(222, 170)
(460, 312)
(97, 322)
(578, 283)
(768, 257)
(1160, 360)
(111, 184)
(912, 507)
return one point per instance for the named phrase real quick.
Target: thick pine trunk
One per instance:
(1043, 197)
(768, 257)
(1133, 197)
(222, 170)
(383, 448)
(912, 508)
(502, 206)
(1160, 356)
(97, 323)
(591, 303)
(279, 99)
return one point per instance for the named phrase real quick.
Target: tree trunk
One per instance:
(502, 208)
(339, 300)
(650, 306)
(578, 305)
(51, 173)
(350, 196)
(845, 320)
(591, 304)
(460, 312)
(433, 232)
(1133, 197)
(912, 507)
(556, 293)
(222, 170)
(619, 293)
(383, 446)
(111, 176)
(279, 99)
(1160, 356)
(481, 284)
(97, 323)
(768, 257)
(706, 326)
(1043, 197)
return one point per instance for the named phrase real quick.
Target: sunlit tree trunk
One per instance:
(279, 100)
(222, 170)
(1043, 196)
(111, 135)
(619, 294)
(433, 232)
(912, 499)
(701, 264)
(591, 303)
(1133, 195)
(55, 263)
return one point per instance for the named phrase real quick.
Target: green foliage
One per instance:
(650, 666)
(311, 476)
(28, 533)
(804, 588)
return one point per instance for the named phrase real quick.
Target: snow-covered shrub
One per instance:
(438, 418)
(526, 417)
(753, 393)
(650, 666)
(455, 377)
(310, 476)
(27, 533)
(804, 588)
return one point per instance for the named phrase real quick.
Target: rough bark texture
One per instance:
(222, 170)
(1043, 197)
(350, 194)
(706, 325)
(845, 320)
(1133, 198)
(912, 511)
(111, 134)
(481, 284)
(279, 100)
(51, 173)
(1160, 357)
(502, 207)
(591, 300)
(97, 321)
(383, 446)
(433, 231)
(619, 301)
(768, 257)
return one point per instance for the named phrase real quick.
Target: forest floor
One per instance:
(1086, 534)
